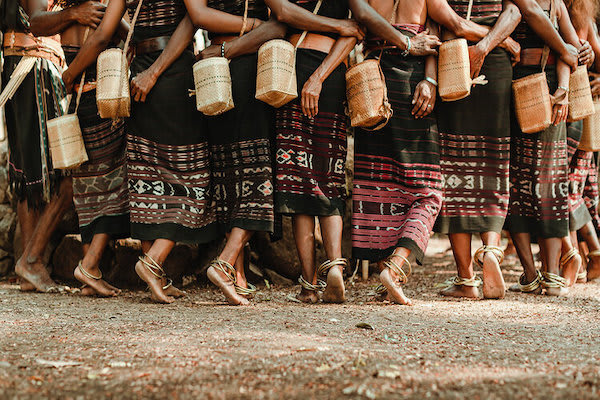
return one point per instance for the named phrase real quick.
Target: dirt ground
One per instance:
(522, 347)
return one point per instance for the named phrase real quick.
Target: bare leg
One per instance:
(551, 248)
(591, 239)
(159, 251)
(232, 251)
(90, 263)
(331, 229)
(389, 279)
(571, 267)
(493, 281)
(510, 249)
(27, 220)
(583, 250)
(304, 235)
(171, 290)
(30, 266)
(522, 242)
(461, 249)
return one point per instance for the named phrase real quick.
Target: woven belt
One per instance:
(151, 45)
(534, 57)
(23, 44)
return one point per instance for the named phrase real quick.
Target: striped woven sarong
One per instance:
(311, 153)
(397, 178)
(579, 168)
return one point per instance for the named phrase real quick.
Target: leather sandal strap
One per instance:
(475, 281)
(531, 286)
(551, 280)
(380, 290)
(594, 253)
(327, 265)
(152, 266)
(568, 256)
(87, 274)
(393, 266)
(582, 275)
(481, 252)
(245, 291)
(169, 284)
(319, 287)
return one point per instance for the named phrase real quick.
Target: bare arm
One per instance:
(249, 43)
(312, 88)
(378, 26)
(48, 23)
(540, 23)
(216, 21)
(97, 42)
(296, 16)
(143, 82)
(425, 92)
(594, 42)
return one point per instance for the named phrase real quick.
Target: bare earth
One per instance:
(522, 347)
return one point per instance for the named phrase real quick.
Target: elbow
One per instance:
(360, 15)
(36, 27)
(514, 13)
(282, 15)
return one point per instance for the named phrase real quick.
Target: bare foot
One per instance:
(26, 286)
(518, 287)
(390, 299)
(87, 291)
(470, 292)
(593, 270)
(557, 291)
(226, 286)
(335, 292)
(510, 250)
(100, 286)
(570, 269)
(36, 274)
(155, 284)
(493, 282)
(395, 294)
(308, 296)
(173, 291)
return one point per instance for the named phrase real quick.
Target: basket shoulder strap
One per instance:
(469, 10)
(315, 11)
(245, 20)
(553, 20)
(392, 19)
(80, 89)
(132, 26)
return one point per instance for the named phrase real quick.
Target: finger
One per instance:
(427, 108)
(418, 105)
(423, 109)
(554, 115)
(311, 100)
(143, 97)
(303, 105)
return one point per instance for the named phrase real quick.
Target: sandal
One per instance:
(551, 281)
(229, 271)
(530, 287)
(481, 252)
(156, 269)
(475, 281)
(319, 287)
(397, 269)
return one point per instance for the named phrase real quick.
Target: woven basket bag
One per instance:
(581, 103)
(590, 137)
(212, 82)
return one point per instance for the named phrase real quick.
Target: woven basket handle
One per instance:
(80, 89)
(124, 74)
(315, 11)
(245, 20)
(553, 19)
(469, 10)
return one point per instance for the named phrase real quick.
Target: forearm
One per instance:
(504, 26)
(336, 56)
(563, 73)
(376, 24)
(431, 67)
(213, 20)
(300, 18)
(594, 42)
(251, 42)
(540, 23)
(178, 42)
(49, 23)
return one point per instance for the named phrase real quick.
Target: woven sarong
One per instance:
(590, 193)
(539, 193)
(39, 98)
(240, 147)
(397, 178)
(579, 167)
(311, 153)
(168, 159)
(475, 152)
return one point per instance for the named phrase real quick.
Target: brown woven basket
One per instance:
(366, 93)
(581, 103)
(533, 105)
(276, 73)
(590, 138)
(212, 81)
(454, 70)
(66, 142)
(112, 74)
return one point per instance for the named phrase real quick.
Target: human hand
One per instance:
(68, 80)
(214, 50)
(595, 83)
(89, 13)
(423, 99)
(310, 97)
(142, 84)
(570, 57)
(349, 27)
(424, 44)
(586, 54)
(560, 108)
(476, 58)
(513, 48)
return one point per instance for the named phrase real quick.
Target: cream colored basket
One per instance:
(112, 75)
(533, 105)
(366, 91)
(454, 71)
(212, 81)
(581, 103)
(66, 142)
(590, 138)
(276, 73)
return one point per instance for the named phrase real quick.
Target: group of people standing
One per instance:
(169, 174)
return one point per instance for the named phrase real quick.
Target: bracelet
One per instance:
(431, 80)
(566, 89)
(223, 49)
(408, 46)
